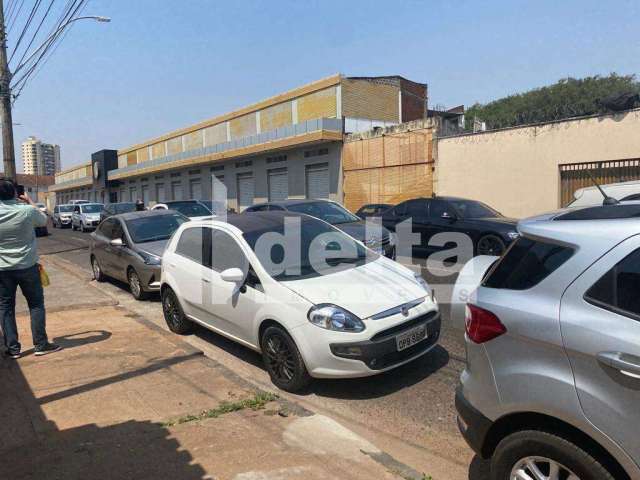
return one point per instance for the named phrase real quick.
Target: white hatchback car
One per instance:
(324, 306)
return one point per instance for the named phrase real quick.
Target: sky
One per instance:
(160, 65)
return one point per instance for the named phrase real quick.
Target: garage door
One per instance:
(245, 190)
(195, 189)
(317, 180)
(176, 190)
(278, 184)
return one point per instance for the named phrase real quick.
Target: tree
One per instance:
(566, 98)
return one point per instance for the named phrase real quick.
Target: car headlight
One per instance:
(150, 259)
(513, 235)
(425, 285)
(332, 317)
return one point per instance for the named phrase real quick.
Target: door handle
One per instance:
(206, 280)
(626, 364)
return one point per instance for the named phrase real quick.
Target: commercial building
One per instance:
(39, 158)
(287, 146)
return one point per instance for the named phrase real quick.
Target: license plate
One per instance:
(411, 337)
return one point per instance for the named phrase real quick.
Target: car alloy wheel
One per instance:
(490, 245)
(541, 468)
(97, 271)
(173, 314)
(283, 361)
(135, 285)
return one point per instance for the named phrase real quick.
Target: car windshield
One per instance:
(190, 209)
(328, 211)
(154, 227)
(65, 208)
(125, 207)
(92, 208)
(318, 242)
(473, 209)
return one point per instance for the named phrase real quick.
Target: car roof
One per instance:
(286, 203)
(249, 222)
(145, 213)
(608, 224)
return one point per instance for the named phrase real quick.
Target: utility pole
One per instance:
(8, 151)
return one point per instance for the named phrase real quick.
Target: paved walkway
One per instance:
(108, 407)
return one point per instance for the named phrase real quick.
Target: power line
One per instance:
(44, 17)
(36, 5)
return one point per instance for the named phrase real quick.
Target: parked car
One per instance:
(111, 209)
(62, 216)
(194, 209)
(129, 247)
(359, 314)
(86, 216)
(336, 215)
(373, 210)
(78, 202)
(591, 196)
(552, 383)
(489, 231)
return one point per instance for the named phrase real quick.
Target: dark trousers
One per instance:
(28, 280)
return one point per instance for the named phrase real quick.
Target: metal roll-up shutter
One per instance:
(145, 194)
(195, 189)
(245, 190)
(278, 184)
(176, 190)
(317, 178)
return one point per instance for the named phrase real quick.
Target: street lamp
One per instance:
(97, 18)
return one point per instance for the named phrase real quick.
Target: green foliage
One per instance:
(568, 97)
(257, 402)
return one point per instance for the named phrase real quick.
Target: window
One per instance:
(526, 263)
(316, 153)
(227, 253)
(276, 159)
(635, 196)
(246, 163)
(117, 231)
(417, 209)
(617, 290)
(106, 228)
(438, 208)
(216, 168)
(192, 245)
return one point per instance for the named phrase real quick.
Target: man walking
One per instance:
(18, 267)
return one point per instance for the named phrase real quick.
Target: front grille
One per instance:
(393, 331)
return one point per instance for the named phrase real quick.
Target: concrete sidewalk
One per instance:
(125, 400)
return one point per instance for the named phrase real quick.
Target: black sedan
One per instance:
(111, 209)
(336, 215)
(489, 231)
(373, 210)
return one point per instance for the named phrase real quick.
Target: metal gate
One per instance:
(574, 176)
(278, 185)
(318, 180)
(245, 190)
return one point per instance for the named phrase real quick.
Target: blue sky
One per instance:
(164, 64)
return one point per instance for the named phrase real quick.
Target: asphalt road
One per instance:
(409, 408)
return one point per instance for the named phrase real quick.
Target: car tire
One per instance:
(490, 245)
(97, 270)
(176, 320)
(283, 361)
(533, 448)
(135, 285)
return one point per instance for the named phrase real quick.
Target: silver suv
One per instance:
(552, 384)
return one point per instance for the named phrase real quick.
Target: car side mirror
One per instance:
(232, 275)
(116, 242)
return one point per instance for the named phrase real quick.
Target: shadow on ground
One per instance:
(33, 447)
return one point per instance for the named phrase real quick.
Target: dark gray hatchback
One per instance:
(129, 247)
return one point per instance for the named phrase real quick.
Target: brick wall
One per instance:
(388, 166)
(369, 99)
(414, 100)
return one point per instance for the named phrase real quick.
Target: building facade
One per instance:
(287, 146)
(39, 158)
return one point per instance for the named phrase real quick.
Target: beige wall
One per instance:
(516, 170)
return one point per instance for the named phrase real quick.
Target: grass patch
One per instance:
(257, 402)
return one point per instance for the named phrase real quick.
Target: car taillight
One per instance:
(481, 325)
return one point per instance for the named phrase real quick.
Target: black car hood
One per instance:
(357, 230)
(154, 248)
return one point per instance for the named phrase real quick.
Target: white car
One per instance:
(591, 196)
(42, 207)
(354, 315)
(86, 216)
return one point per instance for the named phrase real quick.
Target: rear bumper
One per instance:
(473, 426)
